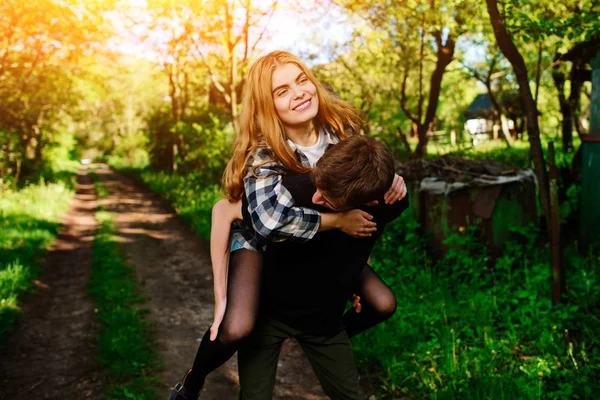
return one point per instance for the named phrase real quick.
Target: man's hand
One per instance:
(396, 192)
(357, 223)
(220, 306)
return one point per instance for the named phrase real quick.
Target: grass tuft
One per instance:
(125, 345)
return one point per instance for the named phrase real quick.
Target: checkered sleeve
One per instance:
(271, 205)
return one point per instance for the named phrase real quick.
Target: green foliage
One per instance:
(200, 143)
(29, 222)
(125, 348)
(207, 145)
(470, 327)
(571, 19)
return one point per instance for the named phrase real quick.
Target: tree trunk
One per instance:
(445, 54)
(538, 71)
(515, 58)
(400, 135)
(500, 114)
(575, 94)
(17, 173)
(565, 108)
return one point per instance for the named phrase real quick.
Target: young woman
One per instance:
(288, 121)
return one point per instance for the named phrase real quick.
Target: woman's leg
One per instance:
(243, 291)
(377, 300)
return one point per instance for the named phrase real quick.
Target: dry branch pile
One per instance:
(453, 169)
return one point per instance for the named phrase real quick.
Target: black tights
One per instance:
(377, 300)
(243, 291)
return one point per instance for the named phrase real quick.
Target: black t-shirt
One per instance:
(307, 284)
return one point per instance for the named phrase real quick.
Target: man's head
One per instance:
(352, 173)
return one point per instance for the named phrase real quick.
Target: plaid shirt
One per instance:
(270, 204)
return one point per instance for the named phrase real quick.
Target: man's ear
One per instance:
(318, 198)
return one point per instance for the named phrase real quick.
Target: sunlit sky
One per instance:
(288, 29)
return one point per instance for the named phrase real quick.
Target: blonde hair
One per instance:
(260, 125)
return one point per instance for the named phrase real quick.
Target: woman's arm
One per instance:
(355, 223)
(223, 214)
(396, 192)
(274, 215)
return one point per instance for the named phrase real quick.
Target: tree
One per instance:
(421, 37)
(40, 42)
(205, 51)
(220, 35)
(488, 73)
(571, 19)
(515, 58)
(361, 75)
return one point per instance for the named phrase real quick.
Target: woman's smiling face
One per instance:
(294, 95)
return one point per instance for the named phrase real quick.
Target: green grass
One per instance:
(516, 156)
(468, 327)
(29, 222)
(125, 346)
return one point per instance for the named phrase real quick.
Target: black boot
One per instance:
(180, 392)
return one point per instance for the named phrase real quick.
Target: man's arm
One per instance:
(388, 212)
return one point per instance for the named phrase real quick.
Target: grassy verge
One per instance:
(29, 222)
(124, 345)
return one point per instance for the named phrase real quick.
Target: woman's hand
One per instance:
(396, 192)
(356, 303)
(357, 223)
(220, 306)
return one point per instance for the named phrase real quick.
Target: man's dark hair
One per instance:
(355, 171)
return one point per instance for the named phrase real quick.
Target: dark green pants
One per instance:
(330, 356)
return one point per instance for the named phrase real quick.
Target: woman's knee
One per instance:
(386, 305)
(235, 332)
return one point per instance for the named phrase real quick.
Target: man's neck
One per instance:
(303, 135)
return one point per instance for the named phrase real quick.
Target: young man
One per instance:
(307, 285)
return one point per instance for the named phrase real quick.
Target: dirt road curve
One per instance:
(174, 274)
(52, 353)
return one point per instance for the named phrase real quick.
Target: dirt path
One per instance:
(174, 274)
(51, 355)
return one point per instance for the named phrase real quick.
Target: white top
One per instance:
(314, 152)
